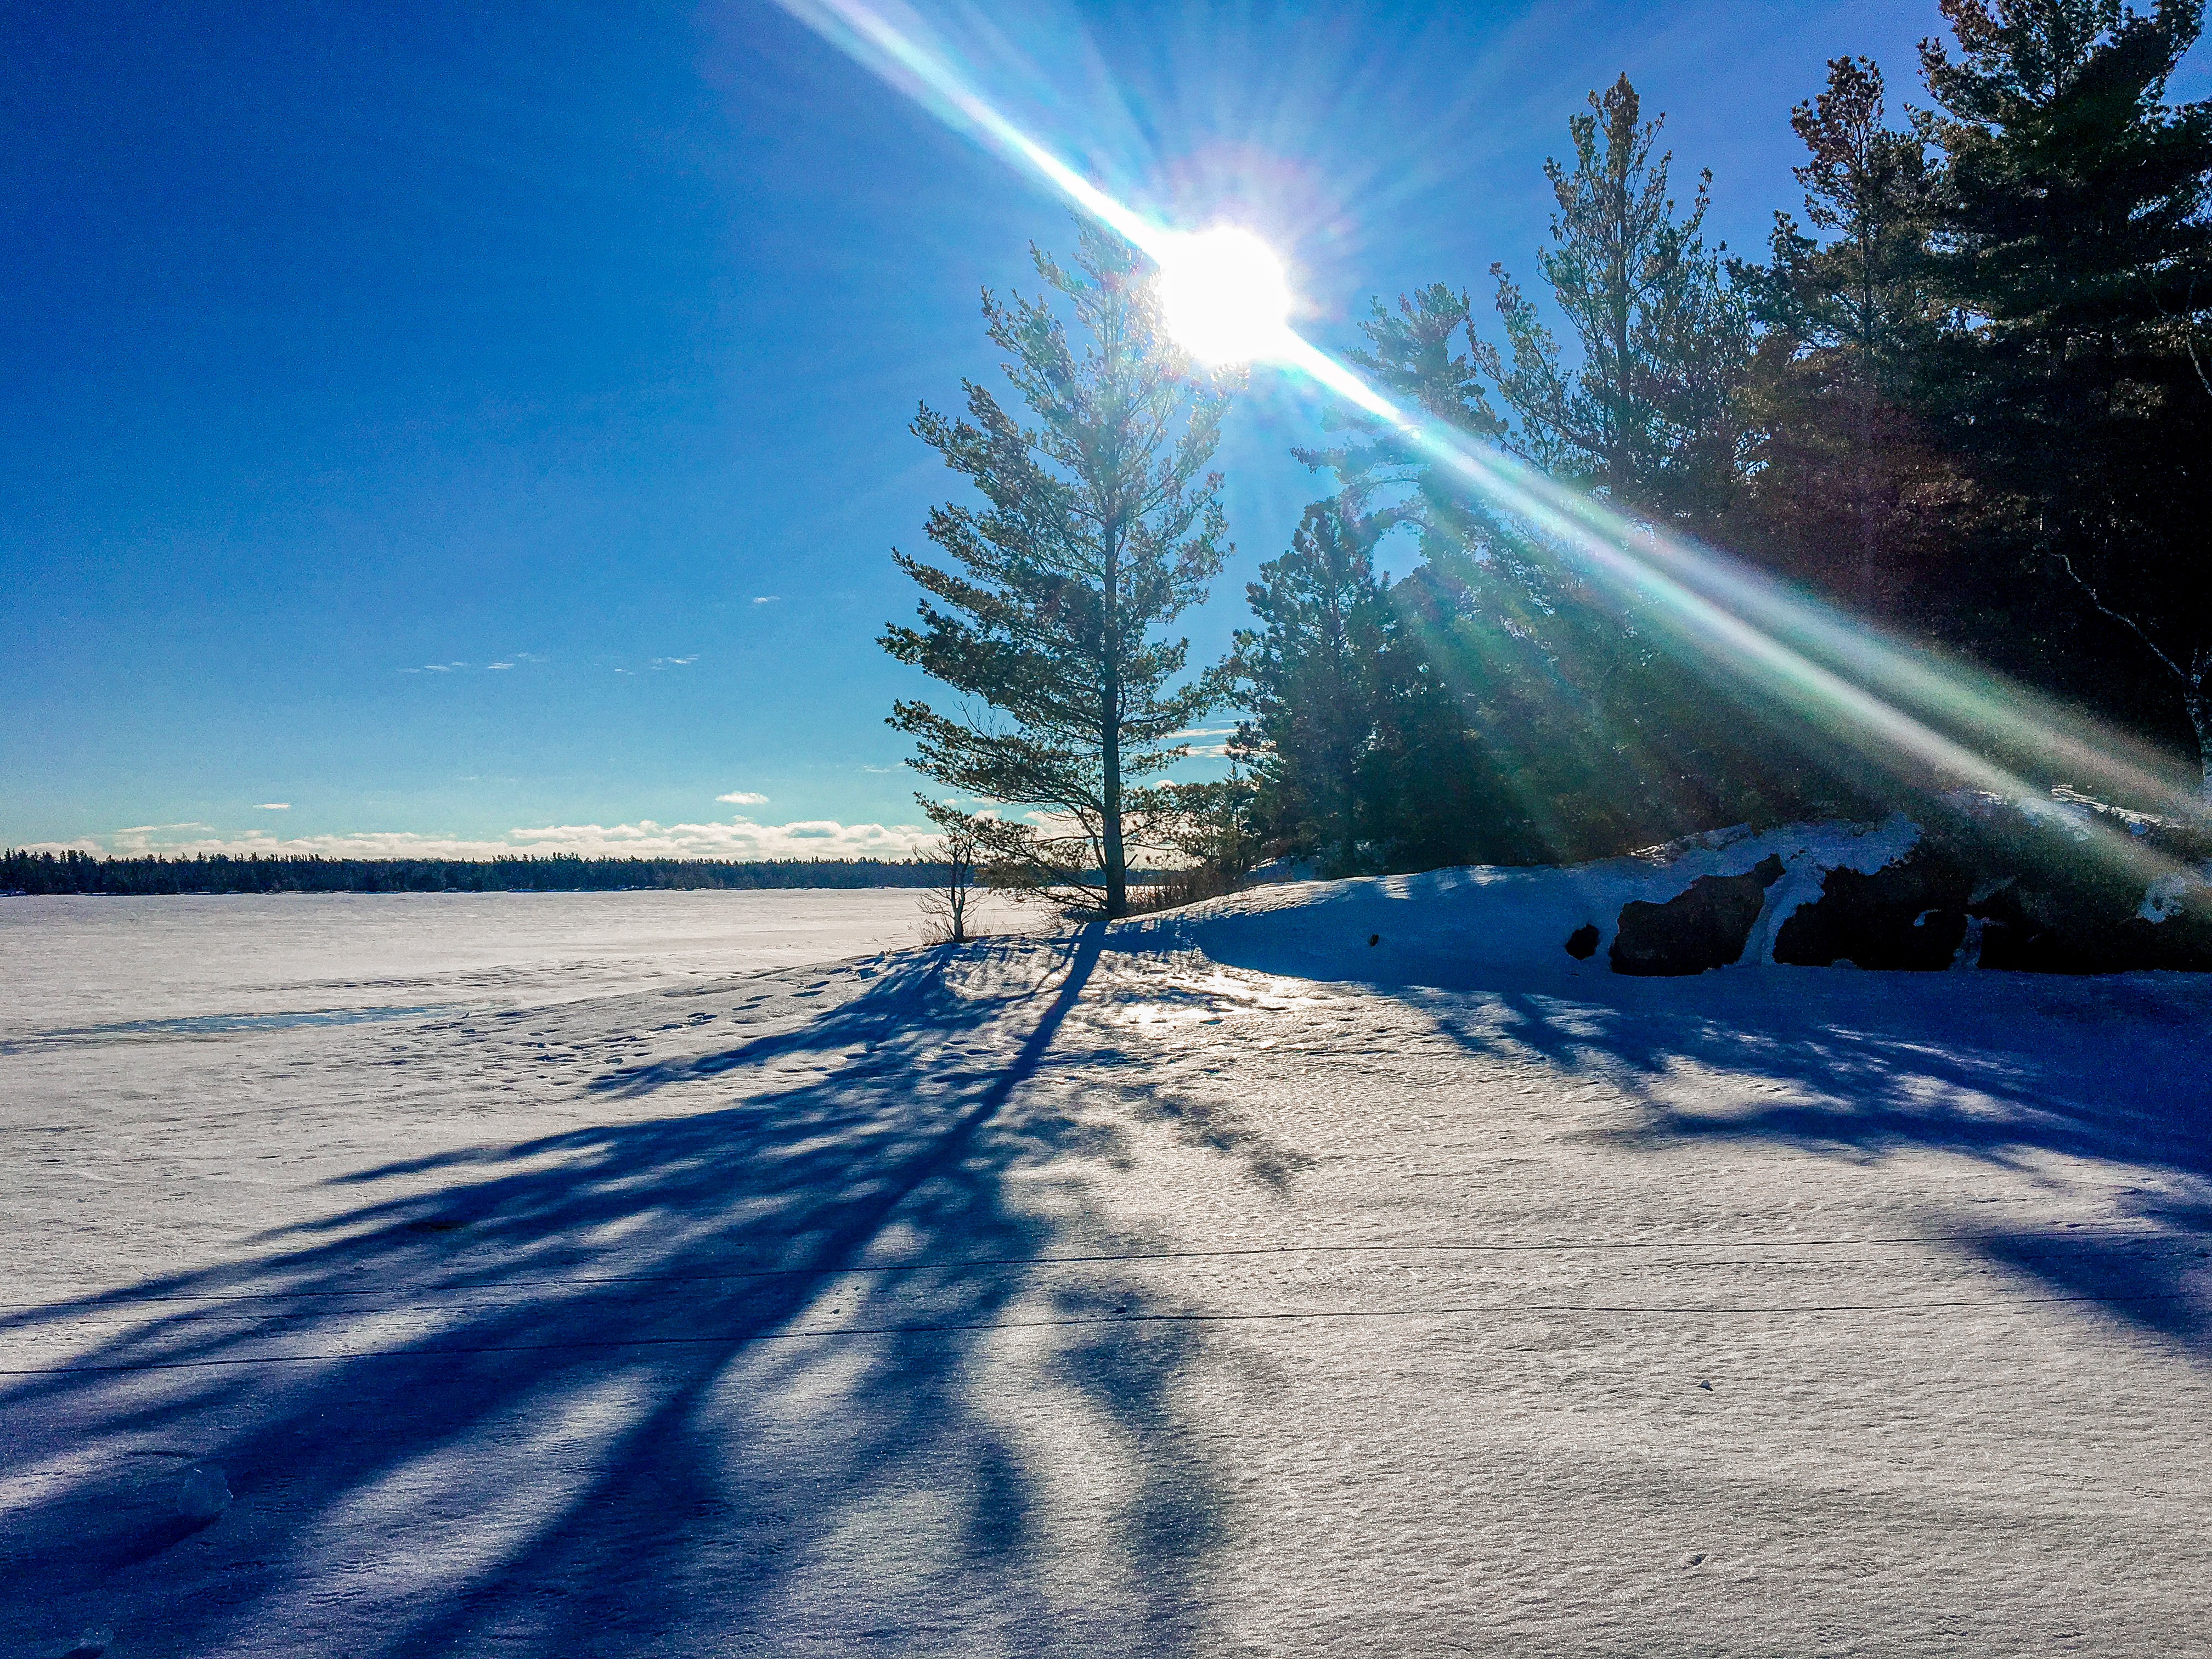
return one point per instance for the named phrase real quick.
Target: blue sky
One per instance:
(450, 428)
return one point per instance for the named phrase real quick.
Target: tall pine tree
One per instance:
(1646, 416)
(2074, 241)
(1845, 488)
(1098, 526)
(1590, 734)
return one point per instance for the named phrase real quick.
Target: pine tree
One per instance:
(2074, 241)
(1559, 727)
(1646, 417)
(1845, 487)
(1365, 755)
(1098, 526)
(1315, 675)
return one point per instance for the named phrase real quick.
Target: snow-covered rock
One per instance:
(1445, 926)
(2034, 884)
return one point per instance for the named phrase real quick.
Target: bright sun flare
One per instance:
(1225, 296)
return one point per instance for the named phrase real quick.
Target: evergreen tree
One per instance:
(1589, 736)
(1098, 526)
(1844, 487)
(1315, 675)
(1646, 416)
(2073, 239)
(1365, 754)
(1533, 671)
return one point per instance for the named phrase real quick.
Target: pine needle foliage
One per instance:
(1845, 488)
(1664, 338)
(2074, 238)
(1099, 524)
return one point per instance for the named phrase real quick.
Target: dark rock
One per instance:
(1705, 927)
(1582, 944)
(1909, 914)
(2042, 928)
(2037, 899)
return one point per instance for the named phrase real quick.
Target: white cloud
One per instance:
(272, 806)
(1204, 742)
(766, 598)
(509, 662)
(675, 662)
(739, 839)
(743, 798)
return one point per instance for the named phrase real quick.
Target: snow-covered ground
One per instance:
(1219, 1283)
(70, 964)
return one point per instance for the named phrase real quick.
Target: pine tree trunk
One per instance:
(1864, 463)
(1616, 278)
(1865, 390)
(1624, 385)
(1109, 732)
(1117, 874)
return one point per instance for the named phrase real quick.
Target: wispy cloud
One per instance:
(675, 662)
(881, 769)
(766, 598)
(272, 806)
(741, 838)
(743, 798)
(508, 661)
(1204, 742)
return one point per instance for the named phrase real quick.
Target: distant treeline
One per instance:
(80, 872)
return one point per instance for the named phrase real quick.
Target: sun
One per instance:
(1225, 296)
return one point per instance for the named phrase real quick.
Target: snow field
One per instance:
(1122, 1296)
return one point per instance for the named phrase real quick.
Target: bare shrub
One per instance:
(947, 906)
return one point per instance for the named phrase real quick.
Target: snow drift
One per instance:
(1995, 888)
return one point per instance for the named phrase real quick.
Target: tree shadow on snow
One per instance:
(2015, 1071)
(557, 1405)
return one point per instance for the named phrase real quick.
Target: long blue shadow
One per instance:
(652, 1275)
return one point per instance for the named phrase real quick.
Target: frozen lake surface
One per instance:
(73, 963)
(1219, 1283)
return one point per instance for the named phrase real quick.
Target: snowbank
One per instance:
(1994, 883)
(1450, 927)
